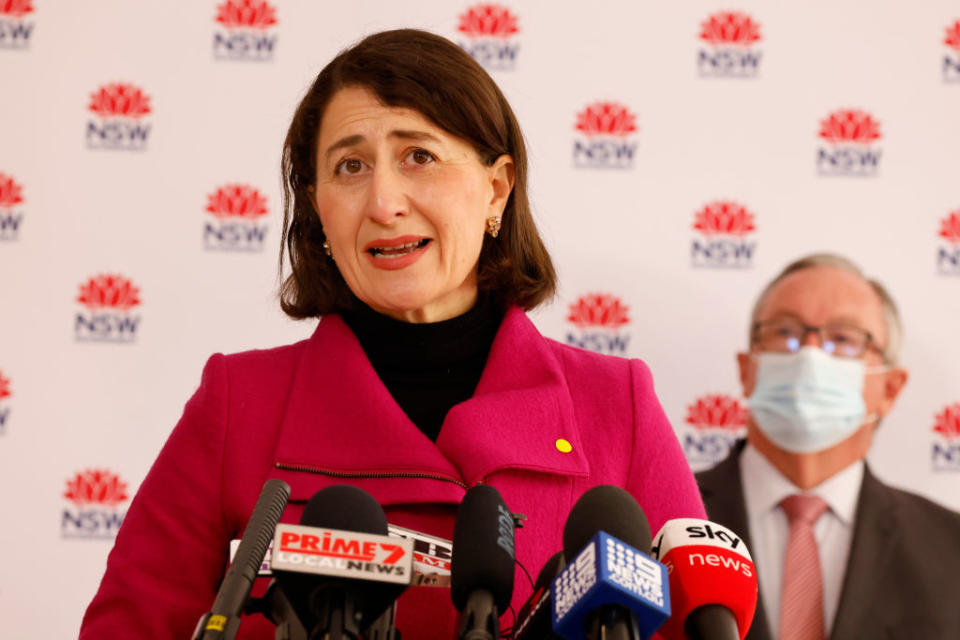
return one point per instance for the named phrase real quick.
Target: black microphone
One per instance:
(331, 606)
(482, 566)
(534, 621)
(614, 511)
(223, 620)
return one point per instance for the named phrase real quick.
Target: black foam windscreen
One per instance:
(483, 548)
(550, 570)
(609, 509)
(346, 508)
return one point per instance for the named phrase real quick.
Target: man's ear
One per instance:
(893, 383)
(747, 366)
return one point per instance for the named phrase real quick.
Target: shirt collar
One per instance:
(764, 486)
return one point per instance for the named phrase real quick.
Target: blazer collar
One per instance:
(870, 555)
(340, 417)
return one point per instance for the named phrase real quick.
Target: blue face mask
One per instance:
(808, 400)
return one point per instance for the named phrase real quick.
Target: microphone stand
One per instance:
(612, 622)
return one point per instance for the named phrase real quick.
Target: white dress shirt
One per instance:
(763, 488)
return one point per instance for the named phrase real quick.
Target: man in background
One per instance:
(839, 554)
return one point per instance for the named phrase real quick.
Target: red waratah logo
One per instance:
(729, 27)
(4, 387)
(96, 486)
(119, 99)
(489, 20)
(598, 310)
(112, 292)
(948, 422)
(237, 201)
(250, 14)
(16, 8)
(10, 192)
(849, 125)
(606, 118)
(953, 36)
(724, 218)
(717, 411)
(950, 227)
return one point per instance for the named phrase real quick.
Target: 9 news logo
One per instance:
(121, 122)
(723, 228)
(730, 52)
(15, 27)
(851, 136)
(233, 212)
(11, 214)
(490, 32)
(598, 320)
(948, 254)
(945, 455)
(716, 422)
(109, 302)
(5, 394)
(606, 136)
(951, 59)
(245, 31)
(98, 500)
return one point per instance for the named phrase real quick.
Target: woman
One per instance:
(408, 229)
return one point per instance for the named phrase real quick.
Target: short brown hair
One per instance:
(422, 71)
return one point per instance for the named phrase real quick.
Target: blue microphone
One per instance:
(611, 588)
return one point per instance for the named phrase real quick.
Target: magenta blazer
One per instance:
(315, 414)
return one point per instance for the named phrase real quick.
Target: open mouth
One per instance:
(399, 250)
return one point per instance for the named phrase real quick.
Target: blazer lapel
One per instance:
(870, 555)
(519, 411)
(341, 421)
(722, 490)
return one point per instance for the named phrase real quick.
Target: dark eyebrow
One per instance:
(403, 134)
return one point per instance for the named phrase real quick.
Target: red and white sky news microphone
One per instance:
(713, 582)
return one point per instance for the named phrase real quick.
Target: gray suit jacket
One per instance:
(903, 575)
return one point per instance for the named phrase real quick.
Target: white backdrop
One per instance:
(671, 174)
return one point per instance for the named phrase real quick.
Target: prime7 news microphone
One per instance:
(610, 587)
(223, 620)
(482, 566)
(534, 621)
(713, 582)
(338, 568)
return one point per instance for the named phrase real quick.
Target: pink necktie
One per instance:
(801, 600)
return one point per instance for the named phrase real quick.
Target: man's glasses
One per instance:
(786, 335)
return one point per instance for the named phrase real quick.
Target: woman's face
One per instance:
(404, 206)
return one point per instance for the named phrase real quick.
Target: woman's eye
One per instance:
(420, 156)
(349, 166)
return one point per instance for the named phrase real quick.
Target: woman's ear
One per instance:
(501, 179)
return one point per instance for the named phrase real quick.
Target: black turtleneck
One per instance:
(427, 368)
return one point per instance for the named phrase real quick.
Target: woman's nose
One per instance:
(387, 199)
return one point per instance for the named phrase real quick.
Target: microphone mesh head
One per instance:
(609, 509)
(346, 508)
(483, 548)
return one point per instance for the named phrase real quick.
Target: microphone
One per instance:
(534, 621)
(223, 619)
(338, 568)
(481, 572)
(713, 582)
(610, 587)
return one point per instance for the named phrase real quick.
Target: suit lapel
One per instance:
(340, 417)
(728, 508)
(870, 555)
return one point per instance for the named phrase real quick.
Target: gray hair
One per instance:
(891, 316)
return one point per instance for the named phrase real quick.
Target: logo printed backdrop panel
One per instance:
(679, 157)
